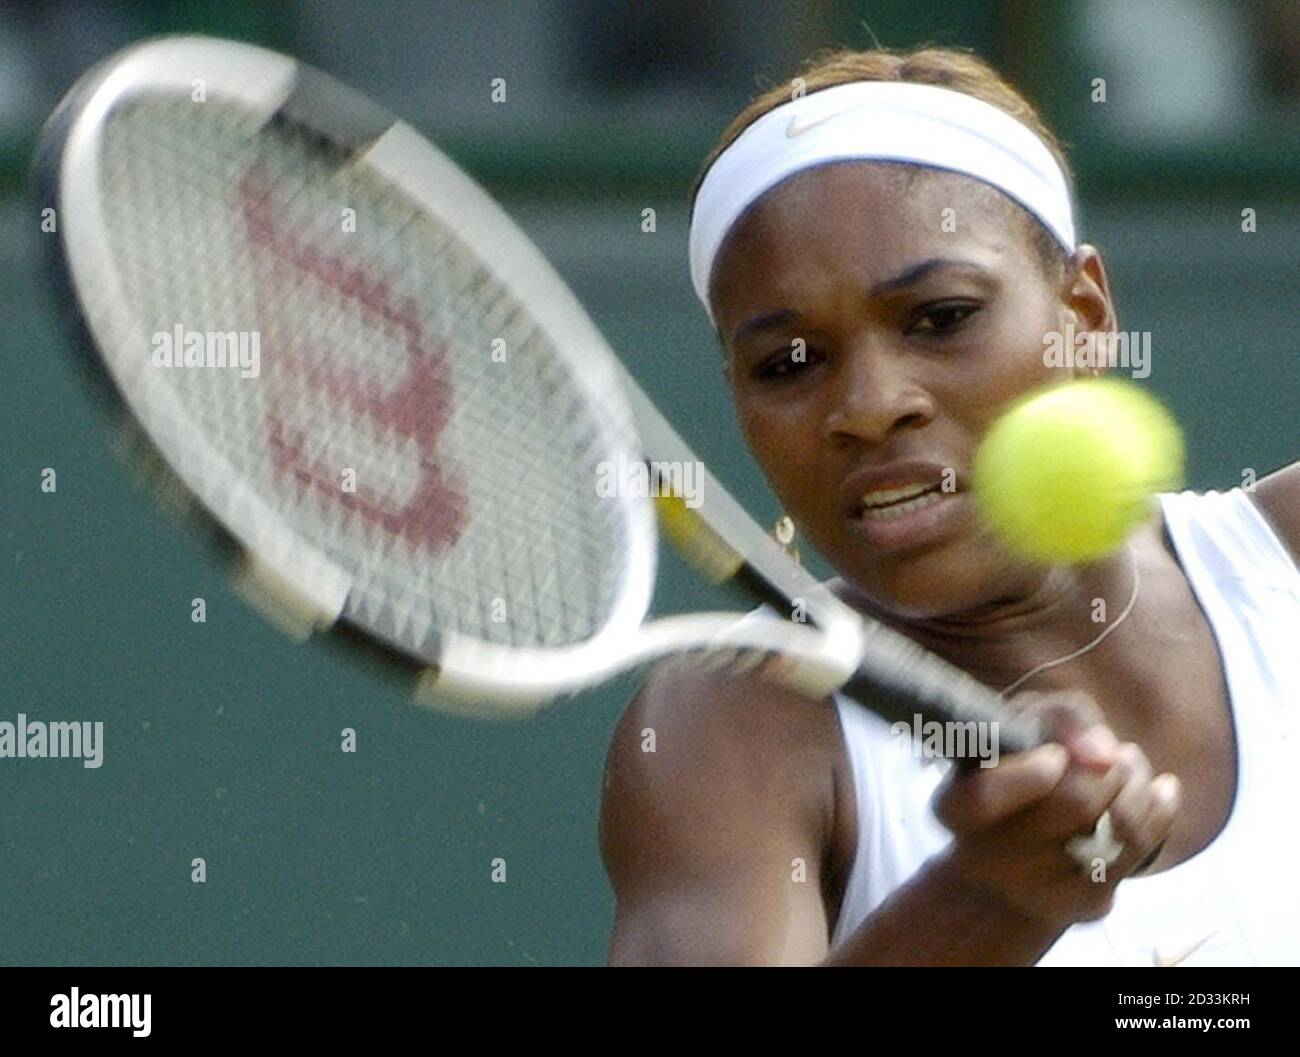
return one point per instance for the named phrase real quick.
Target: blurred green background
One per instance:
(222, 739)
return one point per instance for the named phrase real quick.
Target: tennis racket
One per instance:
(345, 361)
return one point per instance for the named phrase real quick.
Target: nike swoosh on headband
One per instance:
(794, 129)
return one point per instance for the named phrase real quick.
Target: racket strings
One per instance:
(456, 486)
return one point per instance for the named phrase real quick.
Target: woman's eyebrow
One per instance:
(904, 279)
(768, 321)
(920, 271)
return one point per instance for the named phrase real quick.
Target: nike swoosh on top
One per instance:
(1164, 963)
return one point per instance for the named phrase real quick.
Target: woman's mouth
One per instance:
(917, 515)
(889, 503)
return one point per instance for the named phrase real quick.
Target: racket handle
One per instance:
(905, 694)
(896, 678)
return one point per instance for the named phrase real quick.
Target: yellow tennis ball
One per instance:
(1067, 472)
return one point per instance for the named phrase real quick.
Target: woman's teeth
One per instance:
(898, 502)
(893, 495)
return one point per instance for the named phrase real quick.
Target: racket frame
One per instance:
(303, 590)
(292, 583)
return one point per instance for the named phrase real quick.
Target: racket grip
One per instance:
(895, 678)
(959, 703)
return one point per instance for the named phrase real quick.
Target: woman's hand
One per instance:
(1012, 822)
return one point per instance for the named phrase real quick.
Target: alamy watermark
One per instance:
(57, 740)
(239, 350)
(1090, 349)
(75, 1010)
(953, 740)
(646, 479)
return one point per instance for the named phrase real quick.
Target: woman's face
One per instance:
(921, 307)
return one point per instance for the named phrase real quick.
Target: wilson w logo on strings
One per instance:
(303, 378)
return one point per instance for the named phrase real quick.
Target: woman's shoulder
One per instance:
(710, 765)
(1278, 498)
(705, 711)
(1252, 529)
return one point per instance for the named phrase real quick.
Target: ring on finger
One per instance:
(1087, 848)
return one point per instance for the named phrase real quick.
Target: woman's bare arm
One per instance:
(717, 808)
(719, 811)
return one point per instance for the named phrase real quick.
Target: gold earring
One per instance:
(784, 531)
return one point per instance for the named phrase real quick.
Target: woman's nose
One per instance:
(875, 396)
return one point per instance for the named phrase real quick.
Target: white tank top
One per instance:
(1236, 902)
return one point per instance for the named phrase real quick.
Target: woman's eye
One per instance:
(783, 366)
(943, 319)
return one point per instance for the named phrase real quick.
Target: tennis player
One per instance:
(883, 253)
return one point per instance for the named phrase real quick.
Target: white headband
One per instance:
(885, 120)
